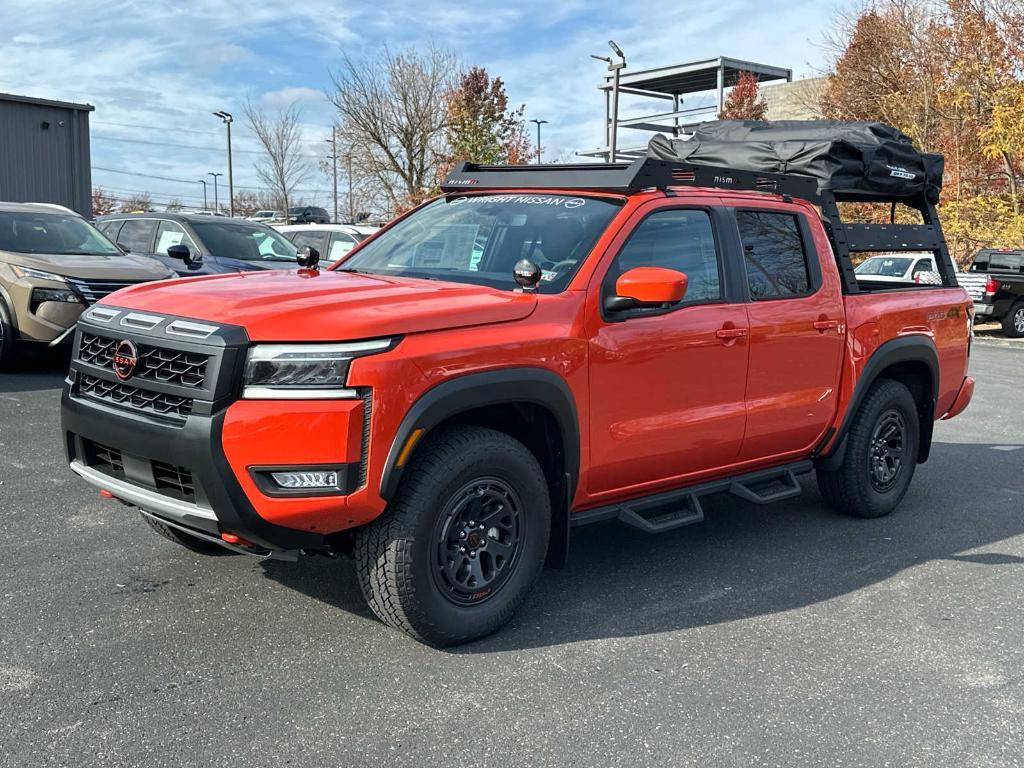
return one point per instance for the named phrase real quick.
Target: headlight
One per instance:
(36, 274)
(304, 371)
(39, 295)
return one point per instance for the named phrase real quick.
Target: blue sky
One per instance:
(155, 71)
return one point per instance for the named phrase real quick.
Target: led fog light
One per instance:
(314, 480)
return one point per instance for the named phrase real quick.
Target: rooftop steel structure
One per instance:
(679, 84)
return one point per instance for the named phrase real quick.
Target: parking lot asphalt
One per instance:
(766, 636)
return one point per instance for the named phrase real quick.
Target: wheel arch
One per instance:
(910, 360)
(533, 405)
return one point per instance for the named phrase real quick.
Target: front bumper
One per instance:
(195, 455)
(217, 503)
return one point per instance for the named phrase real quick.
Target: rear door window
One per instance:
(773, 254)
(136, 235)
(341, 243)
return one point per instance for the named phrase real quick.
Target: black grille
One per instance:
(94, 290)
(133, 397)
(106, 459)
(169, 366)
(96, 350)
(174, 481)
(172, 366)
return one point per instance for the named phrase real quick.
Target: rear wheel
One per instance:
(881, 454)
(7, 339)
(460, 545)
(1013, 323)
(193, 543)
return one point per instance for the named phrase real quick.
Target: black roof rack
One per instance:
(623, 178)
(654, 173)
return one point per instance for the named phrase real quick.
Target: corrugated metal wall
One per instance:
(44, 155)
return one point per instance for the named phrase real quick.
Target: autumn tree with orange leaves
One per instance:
(480, 127)
(744, 101)
(949, 74)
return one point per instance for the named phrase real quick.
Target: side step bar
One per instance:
(674, 509)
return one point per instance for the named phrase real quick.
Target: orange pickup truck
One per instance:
(538, 348)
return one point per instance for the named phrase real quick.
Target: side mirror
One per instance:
(308, 257)
(180, 252)
(647, 287)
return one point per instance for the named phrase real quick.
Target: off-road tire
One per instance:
(855, 488)
(398, 556)
(192, 543)
(1013, 323)
(8, 342)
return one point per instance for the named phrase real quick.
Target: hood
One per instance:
(87, 267)
(327, 306)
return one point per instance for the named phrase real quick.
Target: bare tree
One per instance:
(391, 112)
(140, 202)
(284, 166)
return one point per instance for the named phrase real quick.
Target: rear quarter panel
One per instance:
(940, 314)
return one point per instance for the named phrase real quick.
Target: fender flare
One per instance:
(916, 348)
(537, 386)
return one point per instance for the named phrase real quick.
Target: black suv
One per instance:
(194, 244)
(1000, 295)
(308, 214)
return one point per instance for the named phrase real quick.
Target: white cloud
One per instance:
(156, 70)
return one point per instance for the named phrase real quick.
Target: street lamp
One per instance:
(203, 182)
(333, 141)
(614, 67)
(216, 203)
(539, 123)
(228, 119)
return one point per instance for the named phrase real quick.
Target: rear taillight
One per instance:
(991, 286)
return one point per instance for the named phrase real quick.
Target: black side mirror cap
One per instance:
(308, 257)
(180, 252)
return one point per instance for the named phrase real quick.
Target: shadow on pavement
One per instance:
(744, 560)
(37, 371)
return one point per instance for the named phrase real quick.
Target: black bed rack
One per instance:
(653, 173)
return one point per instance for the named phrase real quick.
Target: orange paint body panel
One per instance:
(264, 432)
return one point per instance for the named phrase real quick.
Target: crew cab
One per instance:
(995, 282)
(540, 347)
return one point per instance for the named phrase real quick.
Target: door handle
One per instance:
(825, 325)
(731, 333)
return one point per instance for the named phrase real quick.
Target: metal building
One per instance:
(695, 90)
(44, 152)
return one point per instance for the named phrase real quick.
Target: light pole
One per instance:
(203, 182)
(351, 210)
(216, 203)
(333, 141)
(228, 119)
(539, 123)
(615, 68)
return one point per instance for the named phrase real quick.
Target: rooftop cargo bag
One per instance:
(869, 158)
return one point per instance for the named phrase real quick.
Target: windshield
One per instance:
(479, 238)
(253, 242)
(884, 266)
(55, 234)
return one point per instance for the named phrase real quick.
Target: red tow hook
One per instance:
(234, 538)
(104, 493)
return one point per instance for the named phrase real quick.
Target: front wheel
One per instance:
(881, 454)
(1013, 323)
(459, 547)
